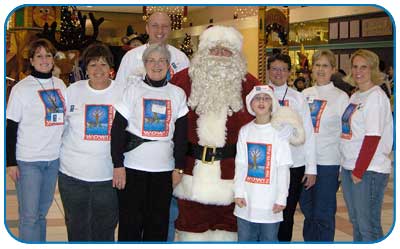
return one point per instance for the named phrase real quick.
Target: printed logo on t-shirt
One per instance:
(156, 117)
(284, 102)
(98, 121)
(317, 107)
(170, 73)
(54, 105)
(259, 163)
(346, 121)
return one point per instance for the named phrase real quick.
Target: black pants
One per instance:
(91, 209)
(144, 206)
(295, 187)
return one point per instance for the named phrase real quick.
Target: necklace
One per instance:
(284, 95)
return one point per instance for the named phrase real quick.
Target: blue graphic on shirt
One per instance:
(98, 122)
(316, 108)
(257, 160)
(346, 120)
(155, 115)
(53, 103)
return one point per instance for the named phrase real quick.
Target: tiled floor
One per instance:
(57, 232)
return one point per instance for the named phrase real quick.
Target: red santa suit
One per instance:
(205, 194)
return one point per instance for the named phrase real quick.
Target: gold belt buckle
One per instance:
(203, 158)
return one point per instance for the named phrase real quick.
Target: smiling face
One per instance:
(261, 104)
(322, 71)
(361, 73)
(279, 73)
(42, 60)
(98, 71)
(156, 66)
(158, 28)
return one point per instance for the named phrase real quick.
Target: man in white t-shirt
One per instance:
(158, 28)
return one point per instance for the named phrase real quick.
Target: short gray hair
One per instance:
(159, 48)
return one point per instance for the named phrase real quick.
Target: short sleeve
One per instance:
(123, 106)
(14, 106)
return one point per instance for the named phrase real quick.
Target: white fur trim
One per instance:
(210, 235)
(206, 185)
(211, 129)
(286, 116)
(221, 35)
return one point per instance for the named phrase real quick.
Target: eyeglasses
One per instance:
(154, 62)
(262, 98)
(279, 69)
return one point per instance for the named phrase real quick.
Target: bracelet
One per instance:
(180, 171)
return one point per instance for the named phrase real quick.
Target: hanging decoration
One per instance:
(177, 14)
(242, 12)
(187, 46)
(280, 30)
(276, 21)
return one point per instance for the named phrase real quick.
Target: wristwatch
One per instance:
(180, 171)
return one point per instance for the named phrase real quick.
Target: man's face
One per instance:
(221, 51)
(278, 73)
(158, 28)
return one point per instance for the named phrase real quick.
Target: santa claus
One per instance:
(216, 84)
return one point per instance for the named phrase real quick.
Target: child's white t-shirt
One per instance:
(261, 173)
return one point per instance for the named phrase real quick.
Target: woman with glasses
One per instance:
(327, 104)
(151, 118)
(366, 142)
(35, 122)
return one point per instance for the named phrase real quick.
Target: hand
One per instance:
(309, 180)
(176, 178)
(355, 179)
(119, 178)
(277, 208)
(13, 172)
(241, 202)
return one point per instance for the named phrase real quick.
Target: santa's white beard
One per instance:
(216, 82)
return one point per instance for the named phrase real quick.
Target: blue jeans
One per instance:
(91, 209)
(318, 205)
(364, 203)
(251, 231)
(35, 192)
(173, 215)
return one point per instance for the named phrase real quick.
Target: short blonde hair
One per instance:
(327, 53)
(372, 59)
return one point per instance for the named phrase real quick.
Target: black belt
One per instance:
(133, 141)
(209, 154)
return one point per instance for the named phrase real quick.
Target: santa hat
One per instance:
(261, 89)
(224, 36)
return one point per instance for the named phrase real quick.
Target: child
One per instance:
(262, 171)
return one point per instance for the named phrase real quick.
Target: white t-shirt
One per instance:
(327, 104)
(132, 67)
(39, 109)
(85, 151)
(151, 113)
(303, 154)
(261, 173)
(368, 114)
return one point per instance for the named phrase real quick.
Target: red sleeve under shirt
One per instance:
(367, 152)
